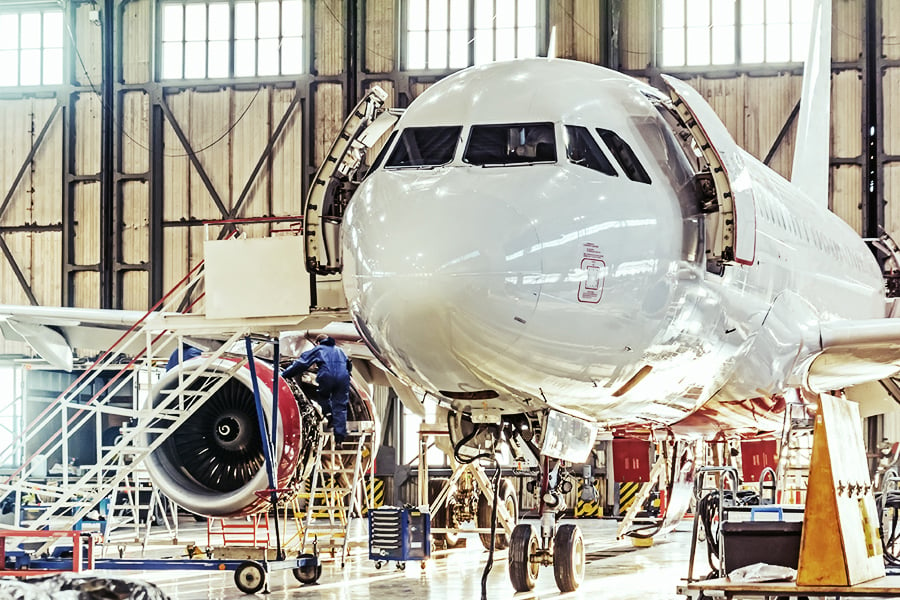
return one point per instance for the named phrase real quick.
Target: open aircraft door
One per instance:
(335, 181)
(732, 222)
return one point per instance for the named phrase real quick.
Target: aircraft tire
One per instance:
(523, 544)
(441, 518)
(508, 499)
(568, 557)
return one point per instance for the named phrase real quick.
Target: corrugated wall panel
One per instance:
(726, 96)
(20, 247)
(176, 165)
(768, 104)
(135, 222)
(330, 37)
(46, 257)
(587, 30)
(636, 34)
(329, 113)
(134, 288)
(381, 25)
(891, 86)
(177, 257)
(846, 120)
(205, 118)
(86, 225)
(846, 183)
(136, 132)
(560, 15)
(89, 48)
(890, 11)
(892, 195)
(87, 289)
(248, 140)
(847, 32)
(88, 113)
(46, 177)
(287, 159)
(137, 41)
(36, 198)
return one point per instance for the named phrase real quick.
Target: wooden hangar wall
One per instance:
(107, 179)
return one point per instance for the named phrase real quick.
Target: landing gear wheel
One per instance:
(568, 558)
(507, 499)
(250, 577)
(441, 518)
(522, 545)
(309, 573)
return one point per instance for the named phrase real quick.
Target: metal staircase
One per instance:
(64, 502)
(336, 488)
(795, 454)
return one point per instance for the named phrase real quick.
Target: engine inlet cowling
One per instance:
(213, 464)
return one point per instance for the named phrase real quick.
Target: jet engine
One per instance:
(213, 464)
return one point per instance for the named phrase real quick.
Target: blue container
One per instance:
(399, 534)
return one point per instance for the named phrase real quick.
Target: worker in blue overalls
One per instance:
(333, 378)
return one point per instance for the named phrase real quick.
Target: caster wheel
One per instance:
(401, 566)
(250, 577)
(310, 573)
(377, 564)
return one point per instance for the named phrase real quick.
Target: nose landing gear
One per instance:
(562, 546)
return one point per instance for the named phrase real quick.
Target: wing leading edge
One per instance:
(854, 352)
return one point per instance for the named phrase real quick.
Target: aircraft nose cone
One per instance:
(431, 266)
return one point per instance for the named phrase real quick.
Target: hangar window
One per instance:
(523, 143)
(625, 156)
(733, 32)
(31, 46)
(581, 149)
(231, 38)
(445, 34)
(424, 147)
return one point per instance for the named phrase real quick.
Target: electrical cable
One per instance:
(495, 481)
(708, 513)
(883, 502)
(121, 128)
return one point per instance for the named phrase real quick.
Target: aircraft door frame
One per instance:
(734, 235)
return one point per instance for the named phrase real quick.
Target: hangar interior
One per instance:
(137, 131)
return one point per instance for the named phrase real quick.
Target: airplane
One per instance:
(548, 247)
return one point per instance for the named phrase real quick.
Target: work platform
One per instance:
(883, 587)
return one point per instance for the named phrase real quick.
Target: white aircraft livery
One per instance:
(544, 232)
(546, 239)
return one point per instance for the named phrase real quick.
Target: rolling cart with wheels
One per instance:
(399, 534)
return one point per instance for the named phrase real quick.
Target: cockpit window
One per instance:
(511, 144)
(424, 147)
(581, 149)
(625, 156)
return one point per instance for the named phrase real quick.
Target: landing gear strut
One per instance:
(562, 547)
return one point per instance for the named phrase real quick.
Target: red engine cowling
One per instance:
(213, 464)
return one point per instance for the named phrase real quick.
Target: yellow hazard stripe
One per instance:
(627, 491)
(375, 487)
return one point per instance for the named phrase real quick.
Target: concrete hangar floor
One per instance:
(614, 571)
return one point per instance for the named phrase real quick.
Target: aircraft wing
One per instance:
(54, 332)
(854, 352)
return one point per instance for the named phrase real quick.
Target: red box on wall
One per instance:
(631, 460)
(756, 455)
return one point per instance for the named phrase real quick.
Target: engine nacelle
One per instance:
(213, 464)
